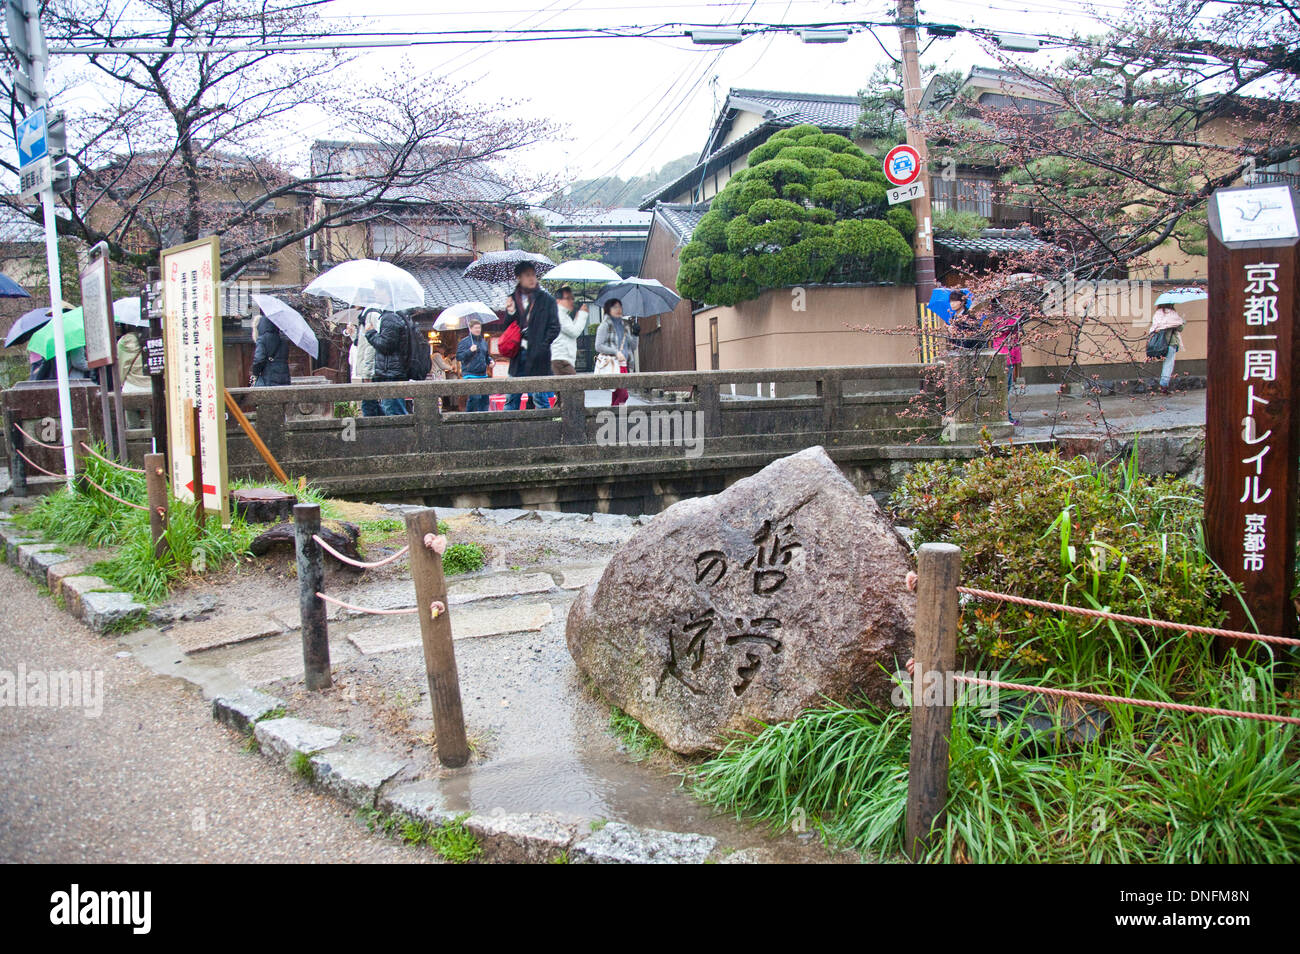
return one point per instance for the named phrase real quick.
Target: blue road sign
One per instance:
(30, 137)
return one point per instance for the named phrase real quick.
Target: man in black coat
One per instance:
(270, 357)
(534, 310)
(392, 343)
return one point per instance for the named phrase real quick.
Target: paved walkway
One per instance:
(151, 779)
(1044, 413)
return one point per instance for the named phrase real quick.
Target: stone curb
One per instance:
(90, 601)
(368, 778)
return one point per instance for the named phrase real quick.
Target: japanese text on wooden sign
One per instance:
(193, 367)
(1252, 428)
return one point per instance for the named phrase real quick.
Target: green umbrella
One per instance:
(74, 335)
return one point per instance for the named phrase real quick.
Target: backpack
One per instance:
(420, 362)
(1158, 343)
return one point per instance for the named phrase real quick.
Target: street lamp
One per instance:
(716, 37)
(822, 35)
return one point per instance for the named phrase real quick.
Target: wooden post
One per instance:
(311, 580)
(934, 659)
(155, 482)
(17, 466)
(195, 435)
(1252, 421)
(435, 632)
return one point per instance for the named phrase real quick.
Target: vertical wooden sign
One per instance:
(191, 276)
(1252, 423)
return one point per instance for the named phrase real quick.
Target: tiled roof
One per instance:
(445, 286)
(833, 113)
(598, 219)
(992, 241)
(474, 182)
(681, 218)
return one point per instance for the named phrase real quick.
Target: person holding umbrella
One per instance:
(615, 347)
(270, 357)
(475, 362)
(535, 312)
(1165, 319)
(564, 351)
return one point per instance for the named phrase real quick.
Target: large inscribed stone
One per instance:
(783, 590)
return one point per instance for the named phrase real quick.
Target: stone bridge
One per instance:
(697, 432)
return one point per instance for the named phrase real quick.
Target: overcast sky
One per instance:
(630, 105)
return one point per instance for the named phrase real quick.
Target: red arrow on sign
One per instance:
(207, 488)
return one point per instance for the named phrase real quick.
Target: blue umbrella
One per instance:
(939, 302)
(1176, 296)
(27, 325)
(10, 288)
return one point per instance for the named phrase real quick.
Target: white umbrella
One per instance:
(1176, 296)
(290, 322)
(458, 316)
(366, 281)
(583, 270)
(126, 311)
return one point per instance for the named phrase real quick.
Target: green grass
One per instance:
(87, 517)
(463, 558)
(300, 765)
(639, 741)
(453, 842)
(1156, 787)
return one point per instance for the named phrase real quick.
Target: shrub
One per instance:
(463, 558)
(778, 223)
(1069, 531)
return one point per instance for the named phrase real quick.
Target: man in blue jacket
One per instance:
(475, 362)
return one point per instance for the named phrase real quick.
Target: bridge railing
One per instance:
(694, 419)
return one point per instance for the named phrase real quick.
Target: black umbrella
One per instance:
(27, 325)
(499, 267)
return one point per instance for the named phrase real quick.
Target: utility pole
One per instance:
(28, 43)
(924, 243)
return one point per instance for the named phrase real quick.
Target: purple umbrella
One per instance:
(27, 325)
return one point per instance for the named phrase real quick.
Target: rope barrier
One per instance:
(112, 463)
(1122, 618)
(19, 429)
(1125, 700)
(112, 496)
(370, 610)
(343, 558)
(31, 463)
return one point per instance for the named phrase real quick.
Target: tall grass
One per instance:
(85, 516)
(1155, 786)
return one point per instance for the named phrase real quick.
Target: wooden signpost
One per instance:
(192, 351)
(101, 346)
(1252, 423)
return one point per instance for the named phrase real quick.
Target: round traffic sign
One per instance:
(902, 165)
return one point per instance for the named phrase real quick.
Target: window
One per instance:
(962, 195)
(422, 239)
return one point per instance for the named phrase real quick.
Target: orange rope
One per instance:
(112, 463)
(357, 563)
(19, 429)
(1122, 618)
(32, 463)
(1125, 700)
(111, 496)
